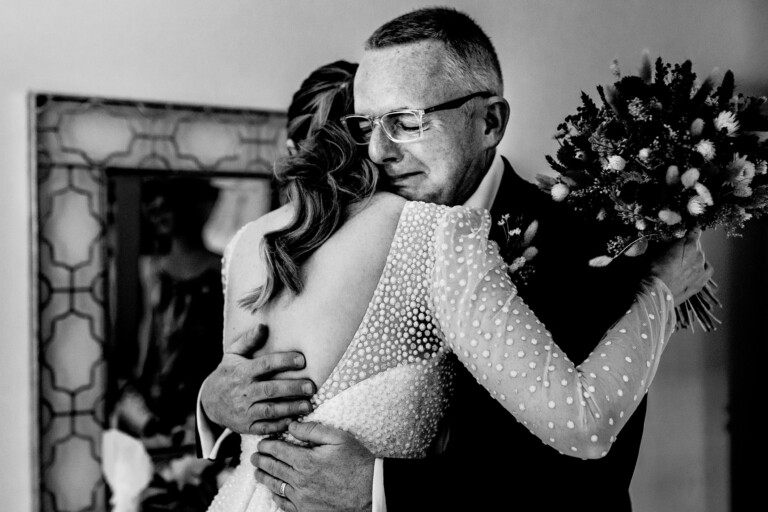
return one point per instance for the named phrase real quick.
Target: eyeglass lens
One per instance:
(399, 126)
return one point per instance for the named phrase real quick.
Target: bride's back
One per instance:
(339, 280)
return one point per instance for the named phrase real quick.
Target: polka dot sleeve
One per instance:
(578, 410)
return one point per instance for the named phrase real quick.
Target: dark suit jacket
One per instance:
(492, 462)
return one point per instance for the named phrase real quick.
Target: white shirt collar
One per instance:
(486, 192)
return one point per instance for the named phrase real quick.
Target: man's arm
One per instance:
(241, 394)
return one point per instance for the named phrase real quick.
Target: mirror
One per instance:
(167, 235)
(120, 281)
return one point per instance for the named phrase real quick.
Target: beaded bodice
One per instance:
(392, 384)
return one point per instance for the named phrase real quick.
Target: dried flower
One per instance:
(530, 232)
(690, 177)
(616, 163)
(743, 214)
(669, 217)
(696, 205)
(517, 264)
(600, 261)
(644, 154)
(703, 193)
(559, 191)
(747, 173)
(530, 253)
(742, 191)
(706, 149)
(518, 249)
(697, 126)
(737, 163)
(727, 121)
(761, 167)
(637, 248)
(673, 175)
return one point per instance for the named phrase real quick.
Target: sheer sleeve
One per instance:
(578, 410)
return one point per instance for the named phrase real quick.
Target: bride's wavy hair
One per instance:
(322, 179)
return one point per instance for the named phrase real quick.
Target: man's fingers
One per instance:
(264, 428)
(275, 468)
(261, 411)
(273, 484)
(249, 342)
(317, 433)
(287, 453)
(267, 407)
(266, 364)
(281, 388)
(283, 503)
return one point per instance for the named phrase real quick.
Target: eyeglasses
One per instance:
(400, 125)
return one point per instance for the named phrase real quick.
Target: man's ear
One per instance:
(495, 120)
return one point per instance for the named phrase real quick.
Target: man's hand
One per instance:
(335, 473)
(683, 267)
(240, 394)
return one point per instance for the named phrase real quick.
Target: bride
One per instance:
(377, 292)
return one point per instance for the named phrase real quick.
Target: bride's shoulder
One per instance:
(376, 212)
(248, 238)
(271, 221)
(382, 202)
(389, 206)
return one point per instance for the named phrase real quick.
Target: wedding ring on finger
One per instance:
(281, 492)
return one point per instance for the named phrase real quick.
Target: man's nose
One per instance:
(381, 149)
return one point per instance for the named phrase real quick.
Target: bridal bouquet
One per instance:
(660, 155)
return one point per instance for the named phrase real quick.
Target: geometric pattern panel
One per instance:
(75, 140)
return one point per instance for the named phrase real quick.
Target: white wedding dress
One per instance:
(392, 386)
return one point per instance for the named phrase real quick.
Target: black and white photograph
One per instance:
(365, 256)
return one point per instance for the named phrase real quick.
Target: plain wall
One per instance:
(253, 53)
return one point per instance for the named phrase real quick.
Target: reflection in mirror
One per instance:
(167, 236)
(104, 175)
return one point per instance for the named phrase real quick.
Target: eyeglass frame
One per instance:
(419, 112)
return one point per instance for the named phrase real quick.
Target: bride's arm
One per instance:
(578, 410)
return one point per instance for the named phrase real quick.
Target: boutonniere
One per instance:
(518, 250)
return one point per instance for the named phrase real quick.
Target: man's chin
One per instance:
(416, 194)
(414, 189)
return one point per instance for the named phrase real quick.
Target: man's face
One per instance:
(447, 163)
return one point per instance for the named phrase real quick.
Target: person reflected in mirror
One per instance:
(179, 341)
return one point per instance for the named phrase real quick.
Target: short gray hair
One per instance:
(470, 57)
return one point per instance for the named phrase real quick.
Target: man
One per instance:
(441, 58)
